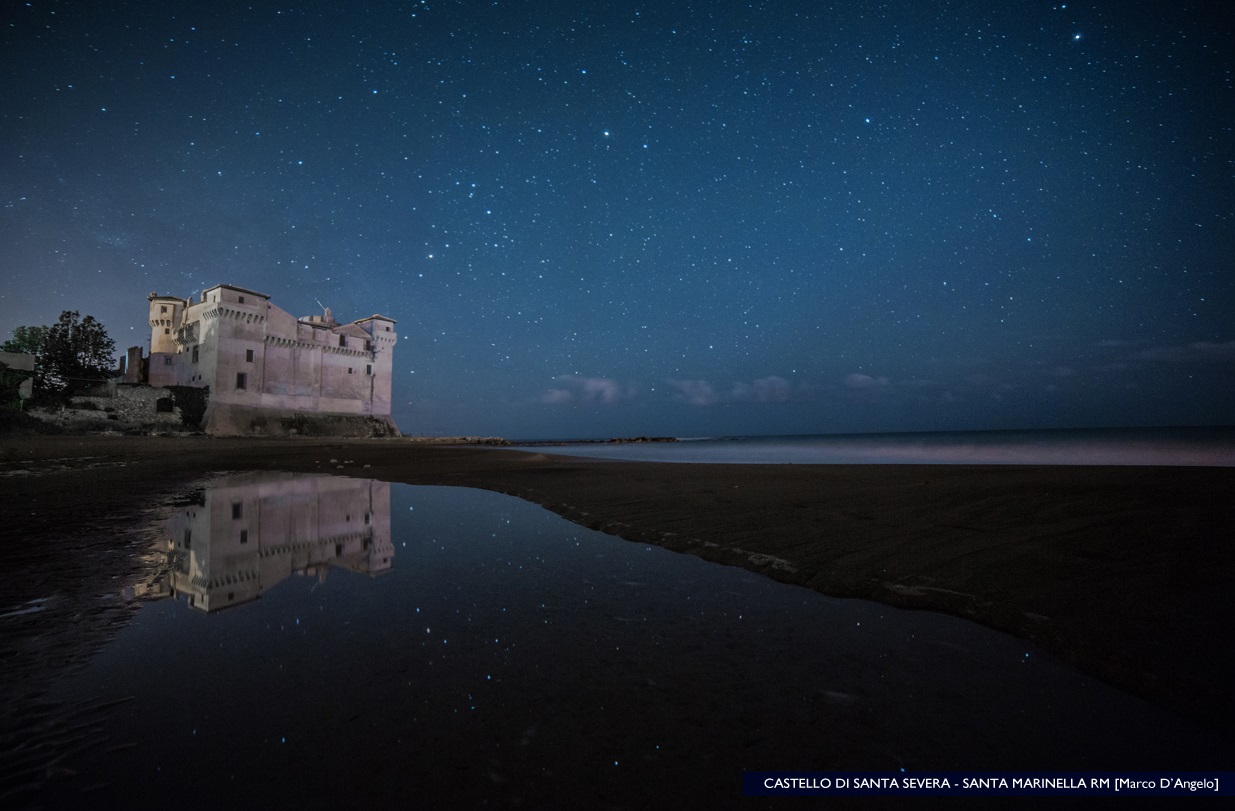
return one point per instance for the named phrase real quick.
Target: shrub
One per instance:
(192, 402)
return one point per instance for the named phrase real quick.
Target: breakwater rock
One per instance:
(457, 440)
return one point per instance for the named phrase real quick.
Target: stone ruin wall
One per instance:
(116, 407)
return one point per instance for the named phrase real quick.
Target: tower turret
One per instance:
(165, 315)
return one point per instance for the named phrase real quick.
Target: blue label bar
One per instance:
(989, 784)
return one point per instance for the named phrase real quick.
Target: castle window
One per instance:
(167, 330)
(188, 538)
(237, 510)
(162, 308)
(244, 536)
(195, 354)
(368, 345)
(242, 380)
(368, 369)
(167, 360)
(248, 355)
(349, 370)
(241, 299)
(343, 340)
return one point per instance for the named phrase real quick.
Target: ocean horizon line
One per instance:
(1161, 445)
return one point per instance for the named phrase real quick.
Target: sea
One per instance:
(1187, 447)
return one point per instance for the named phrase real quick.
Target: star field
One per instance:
(675, 217)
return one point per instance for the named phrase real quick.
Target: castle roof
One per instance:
(237, 289)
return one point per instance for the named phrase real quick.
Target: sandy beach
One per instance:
(1126, 573)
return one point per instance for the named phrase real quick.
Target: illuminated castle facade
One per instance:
(268, 371)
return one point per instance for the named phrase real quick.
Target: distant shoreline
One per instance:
(1177, 447)
(503, 442)
(632, 440)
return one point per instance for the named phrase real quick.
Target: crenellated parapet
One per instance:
(294, 343)
(223, 311)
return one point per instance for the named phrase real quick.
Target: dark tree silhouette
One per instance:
(27, 340)
(75, 353)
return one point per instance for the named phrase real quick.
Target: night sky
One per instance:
(689, 218)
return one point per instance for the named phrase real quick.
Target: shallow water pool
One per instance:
(325, 641)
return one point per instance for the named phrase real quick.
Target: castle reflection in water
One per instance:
(248, 532)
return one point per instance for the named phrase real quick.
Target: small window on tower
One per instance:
(167, 330)
(162, 308)
(242, 380)
(248, 355)
(342, 340)
(241, 299)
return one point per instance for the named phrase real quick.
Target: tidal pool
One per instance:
(326, 641)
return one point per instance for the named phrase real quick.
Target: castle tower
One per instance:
(166, 313)
(381, 373)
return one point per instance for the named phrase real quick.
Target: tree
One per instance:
(75, 352)
(28, 340)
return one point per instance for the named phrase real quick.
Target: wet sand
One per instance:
(1127, 573)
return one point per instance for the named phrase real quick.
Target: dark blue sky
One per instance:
(690, 218)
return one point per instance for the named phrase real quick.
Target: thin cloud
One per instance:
(695, 392)
(587, 390)
(1199, 352)
(771, 389)
(859, 381)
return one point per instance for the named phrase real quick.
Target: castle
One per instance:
(268, 371)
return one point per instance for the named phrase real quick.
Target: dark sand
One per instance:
(1128, 573)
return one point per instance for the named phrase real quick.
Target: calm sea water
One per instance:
(325, 643)
(1205, 447)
